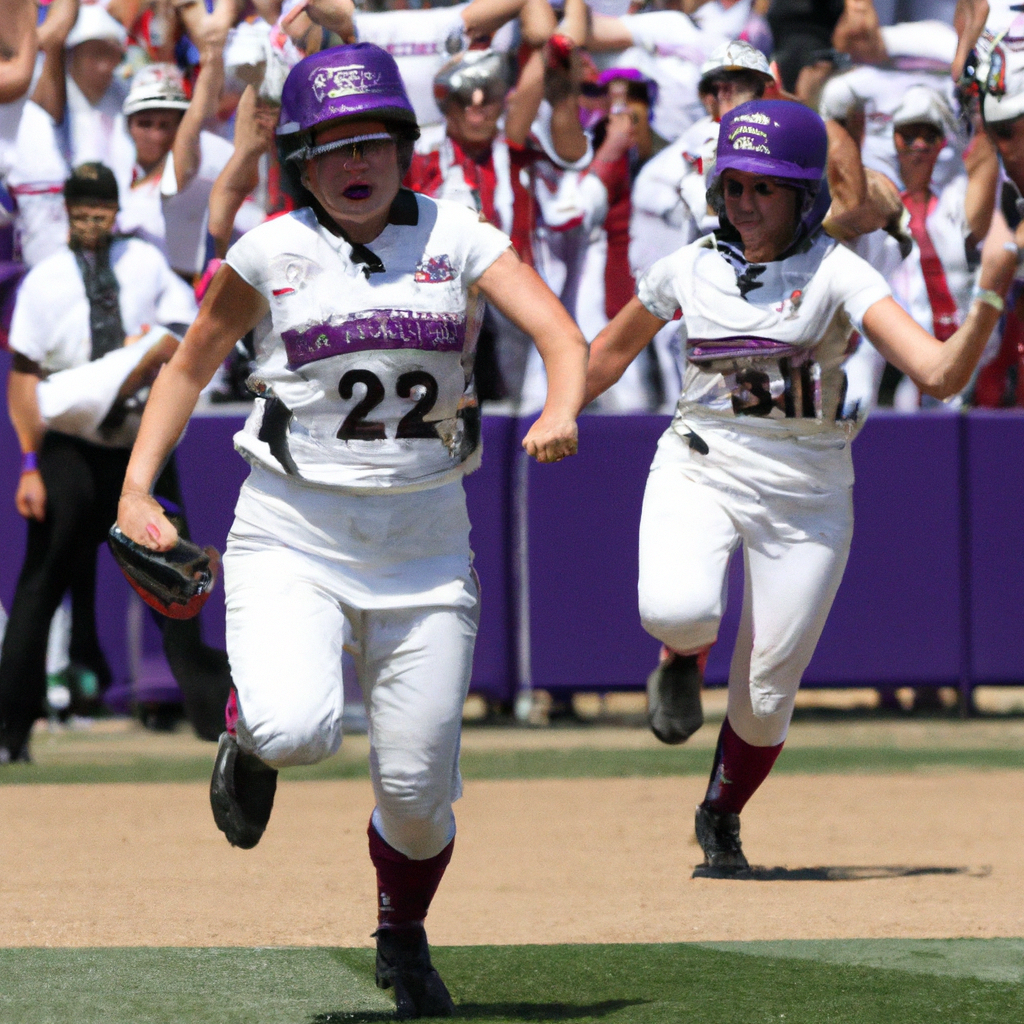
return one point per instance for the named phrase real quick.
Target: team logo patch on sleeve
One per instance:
(434, 270)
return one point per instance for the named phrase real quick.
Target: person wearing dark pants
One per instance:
(83, 483)
(84, 357)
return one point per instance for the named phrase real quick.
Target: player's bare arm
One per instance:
(23, 408)
(536, 19)
(942, 369)
(17, 50)
(518, 292)
(254, 136)
(205, 96)
(618, 345)
(982, 163)
(608, 33)
(49, 92)
(230, 309)
(969, 20)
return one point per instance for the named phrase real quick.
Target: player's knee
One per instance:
(419, 838)
(680, 617)
(679, 627)
(416, 811)
(286, 739)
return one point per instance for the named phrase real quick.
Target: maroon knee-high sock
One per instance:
(738, 770)
(405, 887)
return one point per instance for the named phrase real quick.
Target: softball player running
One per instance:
(759, 451)
(351, 530)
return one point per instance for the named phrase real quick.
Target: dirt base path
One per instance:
(540, 861)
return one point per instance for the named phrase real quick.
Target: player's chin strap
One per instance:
(404, 211)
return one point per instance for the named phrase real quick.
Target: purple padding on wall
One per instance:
(489, 498)
(584, 518)
(212, 472)
(897, 616)
(996, 476)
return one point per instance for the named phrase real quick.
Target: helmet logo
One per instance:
(745, 142)
(757, 118)
(349, 80)
(746, 129)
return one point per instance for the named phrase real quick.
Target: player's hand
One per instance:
(551, 439)
(30, 497)
(141, 518)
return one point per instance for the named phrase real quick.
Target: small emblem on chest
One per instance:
(434, 270)
(793, 304)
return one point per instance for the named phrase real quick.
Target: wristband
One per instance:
(990, 298)
(29, 463)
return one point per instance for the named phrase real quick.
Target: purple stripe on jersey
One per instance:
(702, 350)
(379, 329)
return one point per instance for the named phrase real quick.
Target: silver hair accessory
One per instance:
(307, 152)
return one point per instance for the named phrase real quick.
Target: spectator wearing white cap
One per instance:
(889, 60)
(74, 118)
(176, 161)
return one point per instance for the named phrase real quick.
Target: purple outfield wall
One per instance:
(933, 593)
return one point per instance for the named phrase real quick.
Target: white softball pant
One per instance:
(290, 615)
(789, 502)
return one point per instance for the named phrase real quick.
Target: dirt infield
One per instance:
(917, 856)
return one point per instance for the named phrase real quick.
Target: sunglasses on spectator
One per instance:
(1002, 129)
(928, 133)
(99, 219)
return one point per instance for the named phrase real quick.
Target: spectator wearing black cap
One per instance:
(92, 326)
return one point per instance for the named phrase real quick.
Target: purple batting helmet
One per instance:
(779, 138)
(358, 81)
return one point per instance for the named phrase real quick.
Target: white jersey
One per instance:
(421, 41)
(176, 221)
(46, 152)
(669, 202)
(50, 326)
(367, 376)
(765, 343)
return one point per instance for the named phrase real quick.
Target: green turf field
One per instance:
(833, 982)
(538, 764)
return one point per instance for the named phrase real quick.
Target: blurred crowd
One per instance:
(586, 131)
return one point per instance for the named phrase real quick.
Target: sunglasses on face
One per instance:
(928, 134)
(362, 147)
(734, 189)
(92, 219)
(1003, 130)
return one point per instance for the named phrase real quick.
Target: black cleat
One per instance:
(241, 793)
(403, 963)
(674, 708)
(719, 838)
